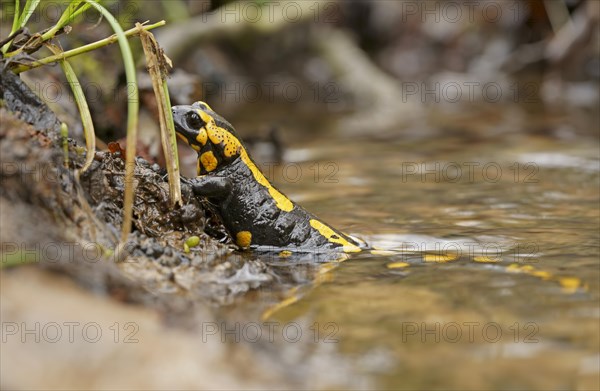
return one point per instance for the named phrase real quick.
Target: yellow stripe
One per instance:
(233, 146)
(281, 201)
(333, 237)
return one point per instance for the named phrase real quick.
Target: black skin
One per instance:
(242, 202)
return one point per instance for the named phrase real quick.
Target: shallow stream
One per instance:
(487, 274)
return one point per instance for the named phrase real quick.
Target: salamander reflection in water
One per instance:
(256, 214)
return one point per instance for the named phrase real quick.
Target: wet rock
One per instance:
(170, 261)
(155, 250)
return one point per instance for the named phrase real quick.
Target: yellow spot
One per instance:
(202, 137)
(527, 268)
(383, 252)
(195, 147)
(440, 258)
(516, 268)
(397, 265)
(484, 259)
(216, 134)
(219, 136)
(243, 239)
(569, 283)
(232, 145)
(209, 161)
(285, 254)
(281, 201)
(544, 275)
(333, 237)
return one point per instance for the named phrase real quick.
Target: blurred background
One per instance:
(366, 69)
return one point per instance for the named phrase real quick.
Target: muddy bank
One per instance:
(59, 236)
(49, 207)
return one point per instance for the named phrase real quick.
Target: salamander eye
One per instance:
(194, 121)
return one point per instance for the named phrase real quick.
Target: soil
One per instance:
(49, 209)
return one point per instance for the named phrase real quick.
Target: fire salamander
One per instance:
(256, 214)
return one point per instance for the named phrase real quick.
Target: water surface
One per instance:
(491, 274)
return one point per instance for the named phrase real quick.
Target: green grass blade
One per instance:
(76, 13)
(15, 25)
(132, 117)
(64, 19)
(16, 17)
(84, 110)
(30, 7)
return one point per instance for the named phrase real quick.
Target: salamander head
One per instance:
(207, 133)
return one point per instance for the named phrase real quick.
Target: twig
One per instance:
(82, 49)
(11, 37)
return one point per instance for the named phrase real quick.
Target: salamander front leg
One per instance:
(211, 186)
